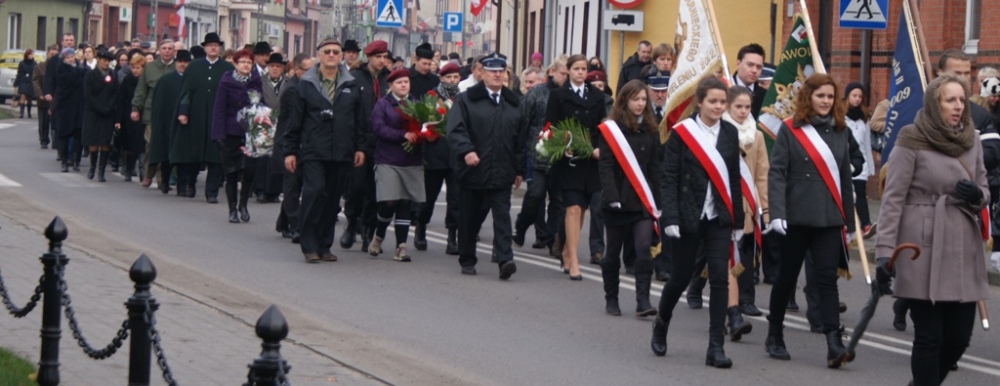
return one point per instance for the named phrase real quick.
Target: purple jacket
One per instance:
(230, 97)
(387, 124)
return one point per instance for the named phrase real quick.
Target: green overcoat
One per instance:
(164, 117)
(192, 143)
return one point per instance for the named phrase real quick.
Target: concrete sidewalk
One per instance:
(203, 345)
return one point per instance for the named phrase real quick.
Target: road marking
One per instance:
(71, 180)
(7, 182)
(6, 125)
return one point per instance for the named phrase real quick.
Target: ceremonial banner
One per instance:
(907, 81)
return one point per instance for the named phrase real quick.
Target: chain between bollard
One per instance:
(20, 312)
(154, 336)
(74, 325)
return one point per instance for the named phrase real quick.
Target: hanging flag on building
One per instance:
(699, 53)
(181, 21)
(907, 80)
(798, 61)
(477, 6)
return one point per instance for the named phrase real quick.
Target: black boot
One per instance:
(367, 233)
(836, 353)
(233, 217)
(716, 356)
(694, 292)
(611, 306)
(232, 198)
(93, 166)
(452, 247)
(244, 213)
(127, 168)
(775, 342)
(899, 316)
(737, 325)
(65, 166)
(659, 341)
(643, 280)
(420, 237)
(609, 275)
(102, 163)
(349, 237)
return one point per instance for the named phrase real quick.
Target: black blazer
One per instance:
(685, 182)
(564, 104)
(758, 98)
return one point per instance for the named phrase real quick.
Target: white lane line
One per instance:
(7, 182)
(6, 125)
(793, 321)
(71, 180)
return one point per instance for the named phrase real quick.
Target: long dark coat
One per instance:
(25, 70)
(191, 144)
(564, 104)
(166, 95)
(99, 89)
(68, 98)
(131, 136)
(477, 124)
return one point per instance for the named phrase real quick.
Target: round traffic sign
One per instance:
(625, 3)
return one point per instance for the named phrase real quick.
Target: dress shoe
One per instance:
(595, 258)
(836, 353)
(611, 307)
(694, 301)
(312, 258)
(295, 237)
(286, 234)
(212, 200)
(659, 341)
(899, 316)
(401, 254)
(768, 280)
(737, 325)
(792, 305)
(420, 237)
(350, 234)
(244, 213)
(775, 347)
(507, 269)
(842, 307)
(327, 256)
(233, 217)
(661, 276)
(539, 244)
(469, 271)
(164, 188)
(45, 146)
(518, 238)
(576, 278)
(192, 191)
(751, 310)
(452, 247)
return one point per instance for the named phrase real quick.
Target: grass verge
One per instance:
(4, 114)
(14, 370)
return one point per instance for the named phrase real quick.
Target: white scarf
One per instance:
(747, 130)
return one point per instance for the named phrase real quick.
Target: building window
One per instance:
(973, 19)
(14, 31)
(41, 32)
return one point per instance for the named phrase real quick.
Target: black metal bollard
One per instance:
(269, 368)
(142, 273)
(54, 261)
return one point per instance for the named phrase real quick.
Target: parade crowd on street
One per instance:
(677, 204)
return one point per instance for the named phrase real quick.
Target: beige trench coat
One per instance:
(919, 206)
(756, 158)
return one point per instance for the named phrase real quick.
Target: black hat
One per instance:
(183, 56)
(145, 45)
(105, 54)
(494, 62)
(425, 51)
(276, 58)
(262, 48)
(351, 45)
(454, 55)
(210, 38)
(197, 52)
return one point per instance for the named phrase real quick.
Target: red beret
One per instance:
(397, 74)
(376, 47)
(450, 68)
(597, 76)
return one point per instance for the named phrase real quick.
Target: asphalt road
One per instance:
(423, 322)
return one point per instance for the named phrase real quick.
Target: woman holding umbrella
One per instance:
(935, 189)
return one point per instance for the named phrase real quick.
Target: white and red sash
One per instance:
(711, 160)
(749, 189)
(630, 166)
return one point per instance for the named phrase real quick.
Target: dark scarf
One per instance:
(855, 113)
(824, 121)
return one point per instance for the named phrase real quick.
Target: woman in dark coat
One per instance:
(624, 211)
(23, 81)
(130, 134)
(577, 179)
(99, 87)
(229, 131)
(67, 108)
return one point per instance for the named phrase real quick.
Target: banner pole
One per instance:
(914, 12)
(718, 36)
(817, 59)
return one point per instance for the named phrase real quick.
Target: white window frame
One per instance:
(13, 31)
(973, 19)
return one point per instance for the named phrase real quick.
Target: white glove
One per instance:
(673, 231)
(616, 205)
(995, 261)
(737, 235)
(777, 225)
(850, 237)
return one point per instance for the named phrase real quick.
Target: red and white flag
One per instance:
(477, 6)
(181, 21)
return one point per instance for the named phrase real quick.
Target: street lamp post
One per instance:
(260, 20)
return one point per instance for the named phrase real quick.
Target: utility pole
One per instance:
(260, 20)
(155, 20)
(465, 7)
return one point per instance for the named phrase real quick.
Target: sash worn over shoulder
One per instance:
(749, 189)
(826, 165)
(711, 160)
(626, 159)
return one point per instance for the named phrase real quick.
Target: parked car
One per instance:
(9, 60)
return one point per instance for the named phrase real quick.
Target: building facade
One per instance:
(36, 24)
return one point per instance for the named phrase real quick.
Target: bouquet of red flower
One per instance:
(425, 117)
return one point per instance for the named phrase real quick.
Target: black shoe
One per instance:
(518, 238)
(843, 307)
(775, 347)
(816, 328)
(716, 356)
(792, 305)
(694, 301)
(452, 247)
(469, 271)
(45, 146)
(100, 176)
(65, 168)
(644, 309)
(661, 276)
(836, 353)
(295, 237)
(261, 199)
(192, 191)
(90, 173)
(244, 213)
(630, 270)
(576, 278)
(596, 258)
(233, 218)
(76, 167)
(350, 234)
(212, 200)
(751, 310)
(286, 234)
(768, 280)
(737, 325)
(539, 244)
(611, 307)
(420, 237)
(899, 316)
(659, 341)
(164, 188)
(508, 268)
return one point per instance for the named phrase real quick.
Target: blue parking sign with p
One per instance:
(452, 22)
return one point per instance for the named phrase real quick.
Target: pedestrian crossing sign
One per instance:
(390, 13)
(864, 14)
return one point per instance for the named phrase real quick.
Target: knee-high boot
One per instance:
(128, 167)
(102, 163)
(231, 199)
(643, 281)
(716, 356)
(245, 191)
(609, 272)
(93, 165)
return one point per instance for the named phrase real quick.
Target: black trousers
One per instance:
(214, 179)
(534, 203)
(861, 201)
(770, 256)
(288, 218)
(596, 224)
(475, 205)
(322, 185)
(713, 240)
(639, 233)
(44, 126)
(359, 198)
(826, 246)
(265, 179)
(747, 290)
(941, 333)
(244, 180)
(71, 147)
(433, 180)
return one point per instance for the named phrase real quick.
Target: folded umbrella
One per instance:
(869, 309)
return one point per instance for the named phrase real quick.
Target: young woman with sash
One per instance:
(811, 203)
(630, 175)
(700, 184)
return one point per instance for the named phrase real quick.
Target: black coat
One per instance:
(420, 84)
(23, 81)
(617, 188)
(685, 182)
(166, 96)
(131, 136)
(99, 114)
(319, 130)
(366, 85)
(631, 69)
(285, 101)
(564, 104)
(533, 111)
(477, 124)
(68, 98)
(795, 190)
(758, 98)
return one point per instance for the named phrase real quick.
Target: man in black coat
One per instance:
(422, 76)
(359, 200)
(749, 65)
(325, 138)
(488, 145)
(291, 181)
(50, 82)
(632, 68)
